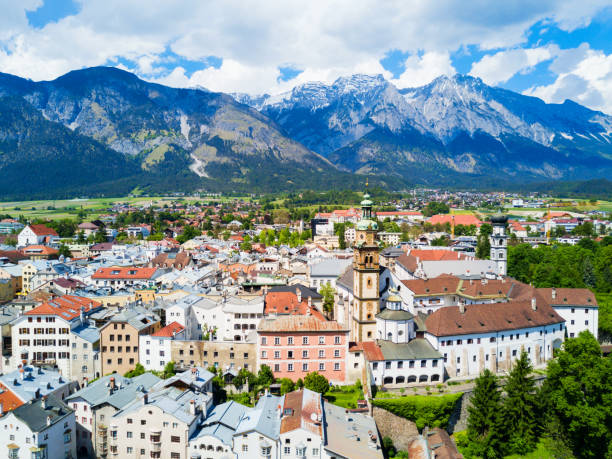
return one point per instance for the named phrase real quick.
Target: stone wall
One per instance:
(400, 430)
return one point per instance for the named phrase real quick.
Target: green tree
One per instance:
(64, 251)
(519, 408)
(81, 238)
(169, 370)
(299, 383)
(246, 246)
(434, 208)
(483, 417)
(189, 232)
(316, 382)
(483, 246)
(11, 240)
(100, 236)
(584, 229)
(265, 377)
(578, 391)
(243, 377)
(287, 385)
(137, 371)
(327, 291)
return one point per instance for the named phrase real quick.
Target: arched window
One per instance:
(399, 380)
(411, 378)
(423, 378)
(435, 378)
(388, 380)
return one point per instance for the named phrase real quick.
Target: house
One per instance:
(42, 429)
(58, 333)
(176, 260)
(451, 219)
(88, 228)
(39, 252)
(155, 350)
(96, 403)
(326, 272)
(37, 235)
(120, 339)
(123, 277)
(577, 306)
(295, 345)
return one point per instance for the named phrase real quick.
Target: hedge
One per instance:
(424, 410)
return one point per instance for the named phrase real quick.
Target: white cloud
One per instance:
(325, 39)
(584, 76)
(420, 70)
(500, 67)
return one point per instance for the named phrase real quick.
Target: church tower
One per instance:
(366, 272)
(499, 243)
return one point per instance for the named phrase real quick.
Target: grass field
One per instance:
(345, 399)
(69, 208)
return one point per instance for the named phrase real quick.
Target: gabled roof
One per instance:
(490, 317)
(460, 219)
(169, 330)
(35, 416)
(298, 409)
(130, 272)
(287, 303)
(568, 297)
(42, 230)
(39, 250)
(299, 323)
(67, 307)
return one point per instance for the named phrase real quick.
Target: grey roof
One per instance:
(397, 315)
(351, 435)
(171, 401)
(202, 377)
(35, 380)
(418, 348)
(97, 393)
(329, 268)
(138, 318)
(35, 416)
(87, 332)
(222, 421)
(264, 418)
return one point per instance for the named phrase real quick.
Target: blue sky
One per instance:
(550, 49)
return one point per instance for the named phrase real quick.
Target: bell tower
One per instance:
(499, 243)
(366, 272)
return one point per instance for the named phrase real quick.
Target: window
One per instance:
(336, 340)
(304, 367)
(264, 341)
(305, 340)
(289, 367)
(128, 434)
(287, 450)
(434, 363)
(67, 437)
(315, 451)
(321, 354)
(336, 353)
(290, 340)
(586, 322)
(277, 367)
(143, 422)
(411, 364)
(175, 439)
(458, 359)
(321, 339)
(142, 435)
(277, 354)
(264, 354)
(277, 341)
(304, 354)
(245, 448)
(129, 420)
(492, 339)
(175, 455)
(513, 353)
(321, 366)
(423, 363)
(337, 366)
(387, 365)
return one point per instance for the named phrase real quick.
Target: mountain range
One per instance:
(104, 130)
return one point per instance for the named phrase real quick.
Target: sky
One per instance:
(552, 49)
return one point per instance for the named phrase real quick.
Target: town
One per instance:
(233, 328)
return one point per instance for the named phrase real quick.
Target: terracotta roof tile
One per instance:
(67, 307)
(43, 230)
(169, 330)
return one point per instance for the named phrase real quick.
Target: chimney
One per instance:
(21, 374)
(554, 293)
(310, 302)
(298, 293)
(145, 399)
(48, 420)
(82, 315)
(534, 306)
(112, 384)
(43, 403)
(192, 409)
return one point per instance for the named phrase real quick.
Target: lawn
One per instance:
(542, 450)
(344, 398)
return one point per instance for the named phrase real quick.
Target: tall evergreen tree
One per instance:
(519, 408)
(483, 417)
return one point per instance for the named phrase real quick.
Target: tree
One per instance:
(189, 232)
(328, 297)
(483, 416)
(243, 377)
(299, 383)
(578, 400)
(81, 238)
(11, 240)
(483, 246)
(434, 208)
(169, 370)
(137, 371)
(584, 229)
(316, 382)
(519, 408)
(286, 385)
(100, 236)
(265, 377)
(246, 246)
(64, 251)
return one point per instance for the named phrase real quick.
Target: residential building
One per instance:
(37, 235)
(123, 277)
(120, 337)
(155, 350)
(577, 306)
(295, 345)
(219, 354)
(42, 429)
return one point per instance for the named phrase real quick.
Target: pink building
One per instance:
(293, 346)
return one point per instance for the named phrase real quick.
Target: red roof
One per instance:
(42, 230)
(399, 213)
(460, 219)
(287, 303)
(38, 250)
(372, 351)
(169, 330)
(67, 307)
(129, 272)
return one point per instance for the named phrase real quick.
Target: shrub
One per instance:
(432, 411)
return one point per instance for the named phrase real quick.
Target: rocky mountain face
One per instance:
(194, 136)
(454, 125)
